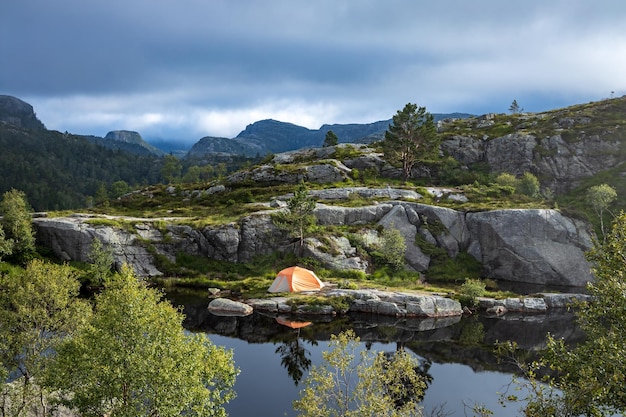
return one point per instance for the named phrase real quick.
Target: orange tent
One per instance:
(295, 279)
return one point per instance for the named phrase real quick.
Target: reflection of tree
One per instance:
(294, 357)
(472, 333)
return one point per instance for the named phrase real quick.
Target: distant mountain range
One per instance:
(257, 139)
(272, 136)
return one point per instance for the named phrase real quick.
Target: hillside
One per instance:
(62, 171)
(567, 149)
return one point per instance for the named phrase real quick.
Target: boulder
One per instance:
(226, 307)
(333, 171)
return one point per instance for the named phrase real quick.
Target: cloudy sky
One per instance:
(185, 69)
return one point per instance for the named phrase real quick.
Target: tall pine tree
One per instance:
(411, 137)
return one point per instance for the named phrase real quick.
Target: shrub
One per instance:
(528, 185)
(392, 248)
(470, 290)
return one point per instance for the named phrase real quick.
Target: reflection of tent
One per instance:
(295, 279)
(291, 323)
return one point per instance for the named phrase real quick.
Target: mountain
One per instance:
(273, 136)
(60, 170)
(16, 112)
(127, 141)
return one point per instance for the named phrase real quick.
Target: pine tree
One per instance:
(411, 137)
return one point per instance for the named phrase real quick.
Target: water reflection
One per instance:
(446, 349)
(294, 357)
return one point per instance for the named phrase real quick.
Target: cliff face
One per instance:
(560, 147)
(560, 164)
(16, 112)
(532, 246)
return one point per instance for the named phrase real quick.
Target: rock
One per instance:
(397, 219)
(387, 193)
(333, 171)
(534, 246)
(496, 310)
(554, 300)
(16, 112)
(339, 256)
(340, 216)
(400, 304)
(226, 307)
(559, 163)
(447, 226)
(70, 239)
(265, 304)
(512, 153)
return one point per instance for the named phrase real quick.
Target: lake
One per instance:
(456, 353)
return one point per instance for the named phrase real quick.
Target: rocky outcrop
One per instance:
(16, 112)
(561, 164)
(385, 303)
(535, 246)
(527, 246)
(324, 172)
(538, 304)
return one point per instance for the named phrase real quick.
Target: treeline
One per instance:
(59, 171)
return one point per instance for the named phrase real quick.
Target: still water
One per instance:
(456, 353)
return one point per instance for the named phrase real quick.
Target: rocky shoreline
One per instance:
(395, 304)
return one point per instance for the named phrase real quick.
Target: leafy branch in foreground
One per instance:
(134, 358)
(350, 383)
(588, 379)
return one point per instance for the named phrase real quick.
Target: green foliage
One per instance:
(119, 188)
(16, 222)
(515, 108)
(600, 197)
(528, 185)
(587, 379)
(172, 169)
(346, 151)
(38, 307)
(392, 249)
(470, 290)
(506, 180)
(101, 262)
(350, 384)
(59, 171)
(330, 139)
(411, 137)
(310, 304)
(298, 220)
(6, 245)
(135, 359)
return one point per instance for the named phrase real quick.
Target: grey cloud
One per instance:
(362, 59)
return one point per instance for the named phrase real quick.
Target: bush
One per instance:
(470, 290)
(528, 185)
(392, 249)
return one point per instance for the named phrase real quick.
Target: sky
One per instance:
(184, 69)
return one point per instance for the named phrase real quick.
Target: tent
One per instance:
(295, 279)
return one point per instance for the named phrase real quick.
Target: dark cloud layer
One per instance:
(186, 69)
